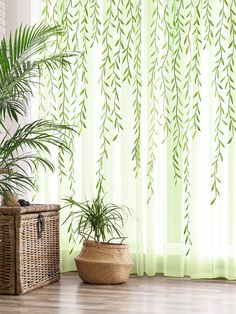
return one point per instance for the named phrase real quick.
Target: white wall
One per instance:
(21, 11)
(15, 12)
(2, 18)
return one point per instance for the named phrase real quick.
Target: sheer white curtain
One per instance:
(156, 230)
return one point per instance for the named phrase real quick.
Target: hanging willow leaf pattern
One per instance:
(230, 84)
(84, 38)
(219, 71)
(207, 7)
(137, 86)
(153, 111)
(177, 106)
(95, 22)
(116, 68)
(178, 33)
(127, 51)
(63, 12)
(187, 56)
(165, 66)
(47, 81)
(105, 80)
(195, 69)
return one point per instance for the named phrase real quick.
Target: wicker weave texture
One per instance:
(104, 263)
(41, 252)
(7, 255)
(32, 258)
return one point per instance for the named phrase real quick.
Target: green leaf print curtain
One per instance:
(153, 95)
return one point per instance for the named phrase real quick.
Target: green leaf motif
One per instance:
(136, 85)
(178, 34)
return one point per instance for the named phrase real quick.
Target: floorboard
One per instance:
(159, 295)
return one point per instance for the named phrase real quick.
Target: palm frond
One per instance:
(20, 65)
(35, 135)
(38, 135)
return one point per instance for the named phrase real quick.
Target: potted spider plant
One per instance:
(21, 65)
(104, 258)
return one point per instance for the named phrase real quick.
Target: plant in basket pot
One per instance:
(104, 258)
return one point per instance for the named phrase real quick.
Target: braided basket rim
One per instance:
(105, 245)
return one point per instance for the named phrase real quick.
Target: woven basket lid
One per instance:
(33, 208)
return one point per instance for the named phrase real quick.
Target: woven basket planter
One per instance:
(104, 263)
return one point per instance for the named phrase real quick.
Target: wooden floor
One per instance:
(139, 295)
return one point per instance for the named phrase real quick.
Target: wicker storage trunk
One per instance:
(29, 248)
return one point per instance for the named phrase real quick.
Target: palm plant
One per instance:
(20, 69)
(96, 220)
